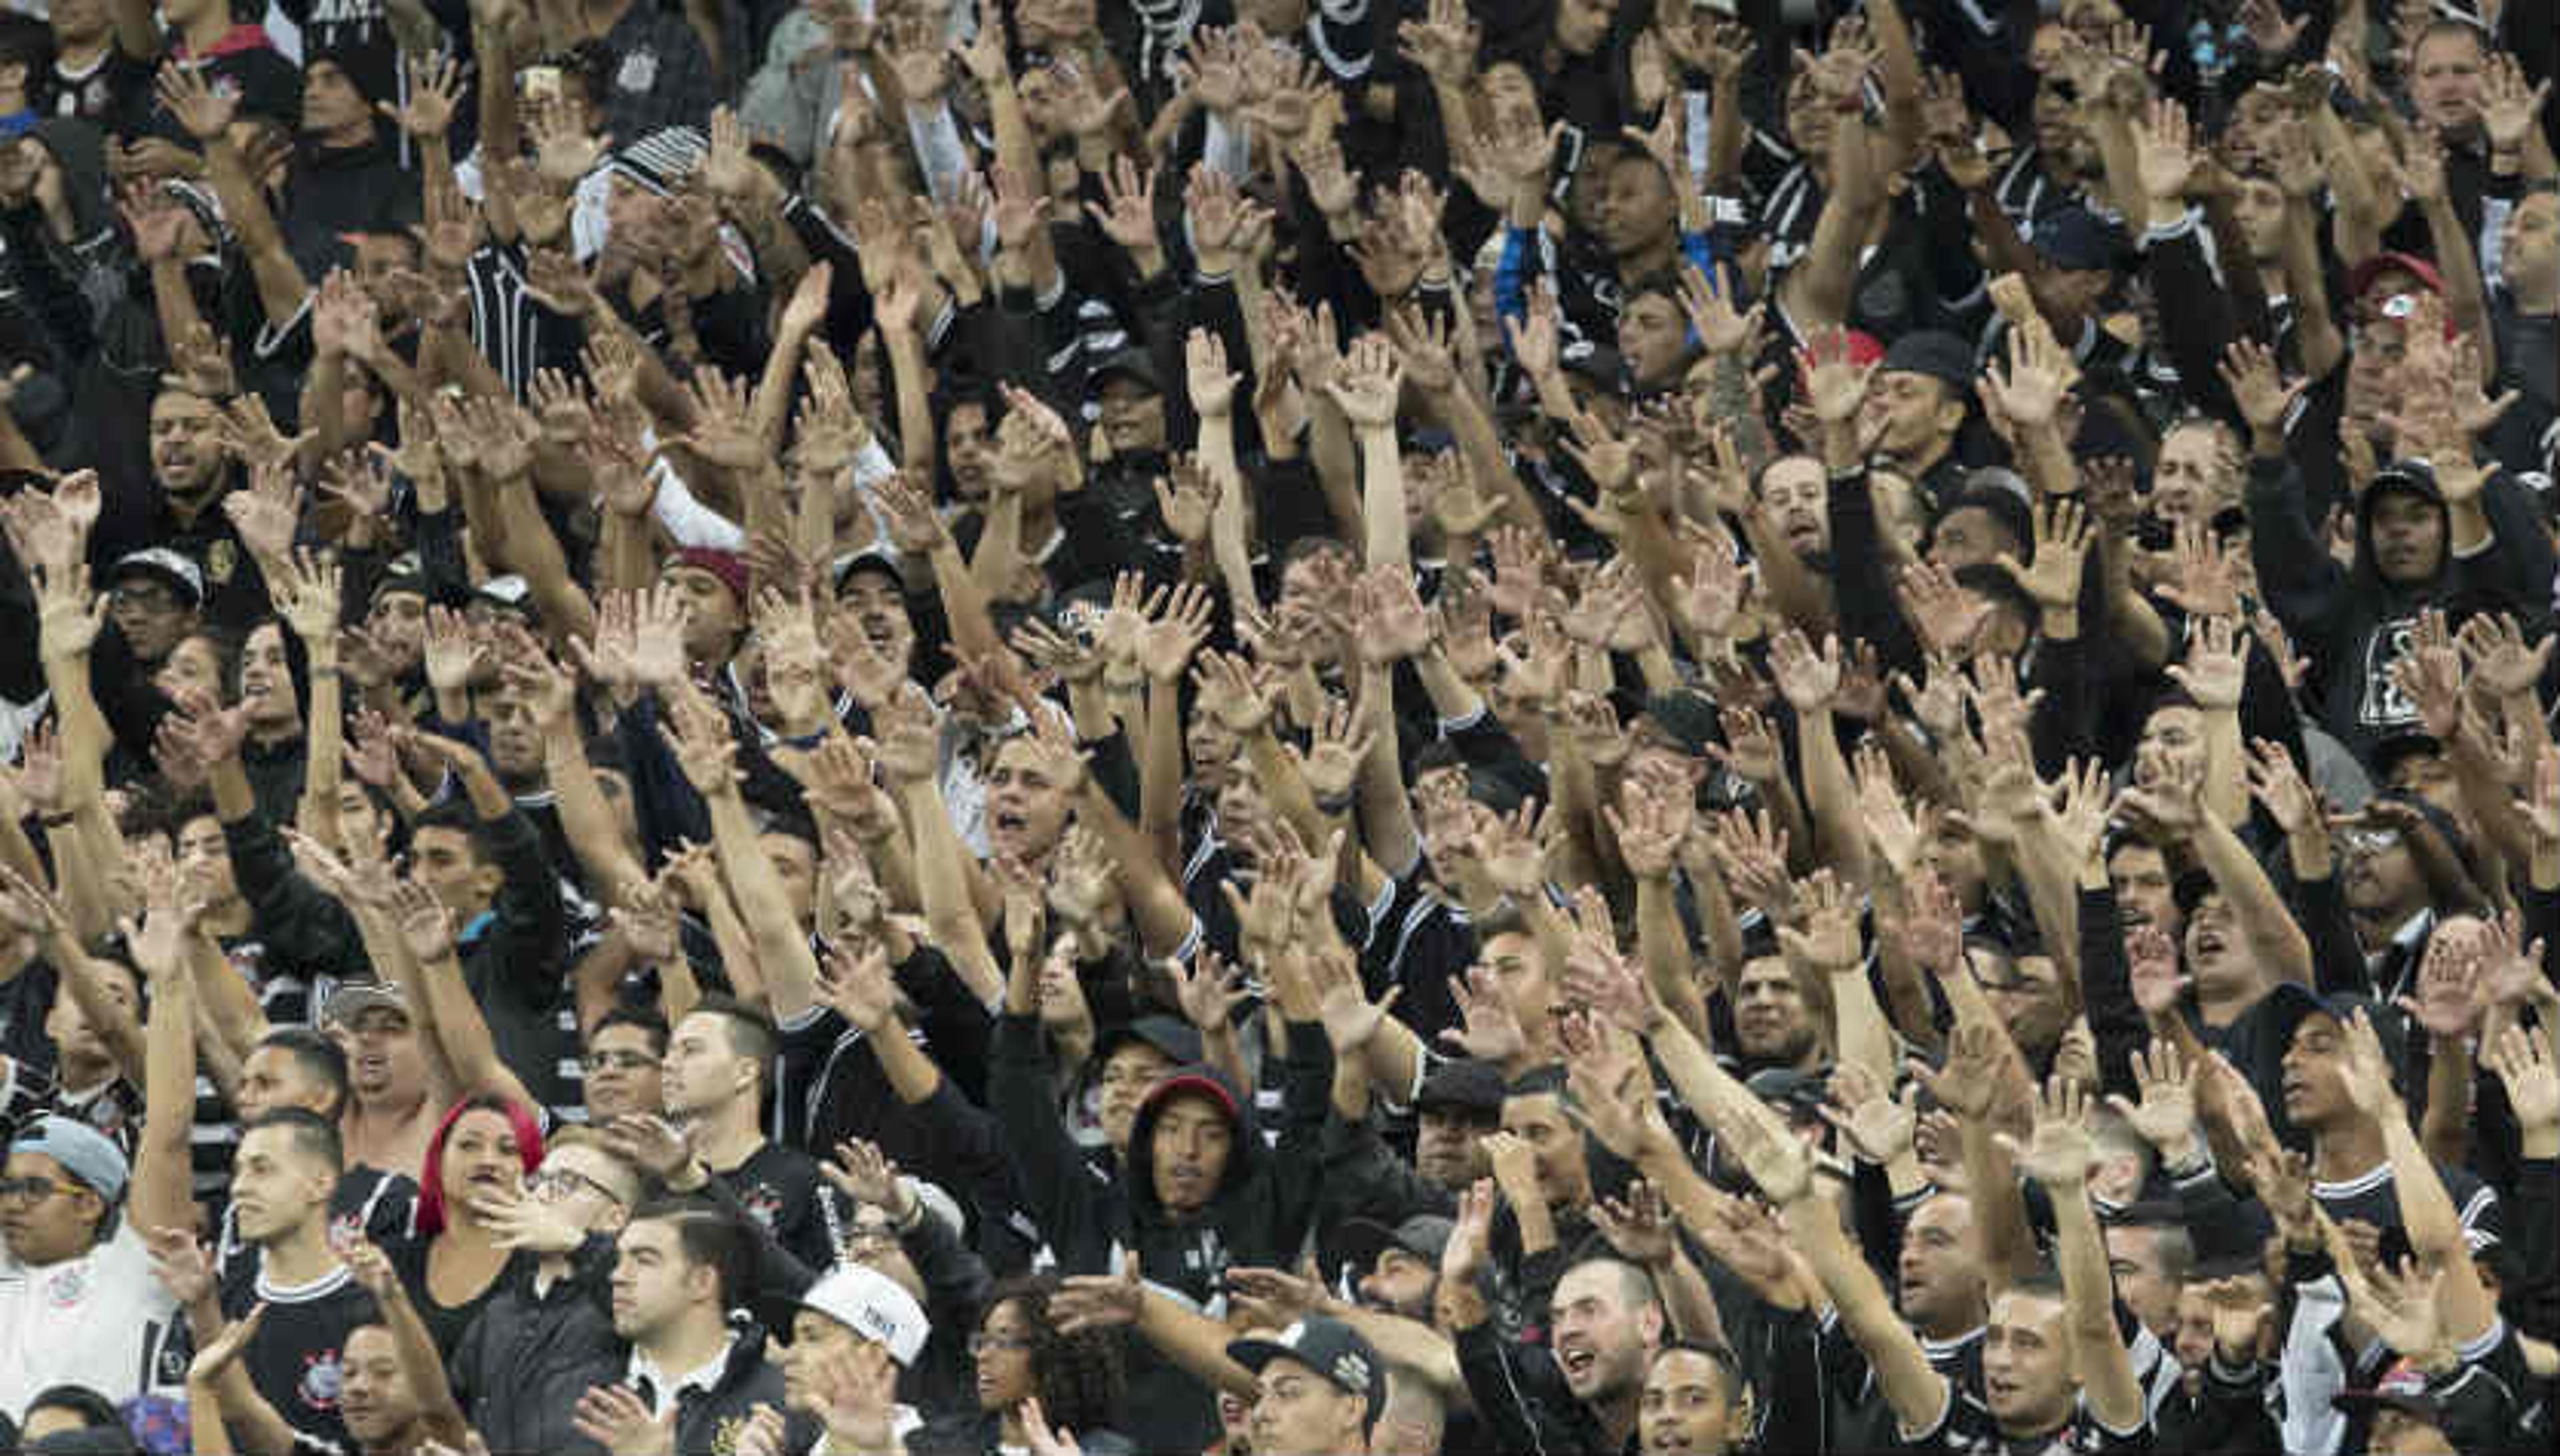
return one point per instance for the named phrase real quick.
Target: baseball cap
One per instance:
(873, 1306)
(161, 564)
(1174, 1038)
(659, 159)
(874, 558)
(2402, 1387)
(83, 1151)
(1466, 1087)
(728, 566)
(1329, 1348)
(353, 999)
(2361, 278)
(1934, 353)
(2078, 240)
(1688, 718)
(1424, 1236)
(1133, 363)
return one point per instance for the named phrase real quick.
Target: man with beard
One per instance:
(1605, 1322)
(1772, 1026)
(190, 475)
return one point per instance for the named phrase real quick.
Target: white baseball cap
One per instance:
(873, 1306)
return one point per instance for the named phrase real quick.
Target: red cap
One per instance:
(728, 566)
(2359, 279)
(1197, 1081)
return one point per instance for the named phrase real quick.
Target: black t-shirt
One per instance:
(294, 1359)
(782, 1188)
(380, 1205)
(446, 1322)
(1970, 1429)
(115, 92)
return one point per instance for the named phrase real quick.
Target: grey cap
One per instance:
(163, 565)
(1424, 1236)
(355, 998)
(83, 1151)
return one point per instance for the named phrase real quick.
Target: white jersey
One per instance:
(100, 1320)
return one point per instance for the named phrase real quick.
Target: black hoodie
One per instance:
(1092, 1221)
(2353, 622)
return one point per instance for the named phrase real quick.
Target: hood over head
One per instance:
(1243, 1156)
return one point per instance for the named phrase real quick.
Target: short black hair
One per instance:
(1729, 1374)
(313, 1135)
(750, 1032)
(94, 1411)
(651, 1025)
(457, 813)
(28, 42)
(317, 1056)
(709, 1238)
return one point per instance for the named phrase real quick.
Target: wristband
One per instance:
(59, 821)
(1338, 804)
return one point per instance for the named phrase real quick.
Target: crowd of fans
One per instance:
(1279, 727)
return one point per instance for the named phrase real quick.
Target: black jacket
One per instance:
(2352, 623)
(513, 959)
(1092, 1219)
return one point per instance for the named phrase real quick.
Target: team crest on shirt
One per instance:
(764, 1203)
(347, 1229)
(67, 1288)
(322, 1379)
(639, 72)
(220, 560)
(724, 1436)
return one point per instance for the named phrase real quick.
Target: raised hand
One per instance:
(2063, 536)
(2165, 1114)
(1808, 682)
(1879, 1124)
(2523, 1062)
(2060, 1152)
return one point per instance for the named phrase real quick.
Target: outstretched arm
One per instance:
(2059, 1158)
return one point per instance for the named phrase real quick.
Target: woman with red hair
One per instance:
(476, 1163)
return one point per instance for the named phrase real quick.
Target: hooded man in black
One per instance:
(1200, 1193)
(2413, 550)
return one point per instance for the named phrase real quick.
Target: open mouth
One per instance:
(1577, 1362)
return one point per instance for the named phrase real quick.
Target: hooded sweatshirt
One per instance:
(1094, 1218)
(2353, 622)
(69, 285)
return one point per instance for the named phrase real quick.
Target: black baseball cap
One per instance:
(1333, 1349)
(1467, 1087)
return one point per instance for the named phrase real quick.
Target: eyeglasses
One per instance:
(553, 1183)
(617, 1061)
(32, 1189)
(980, 1343)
